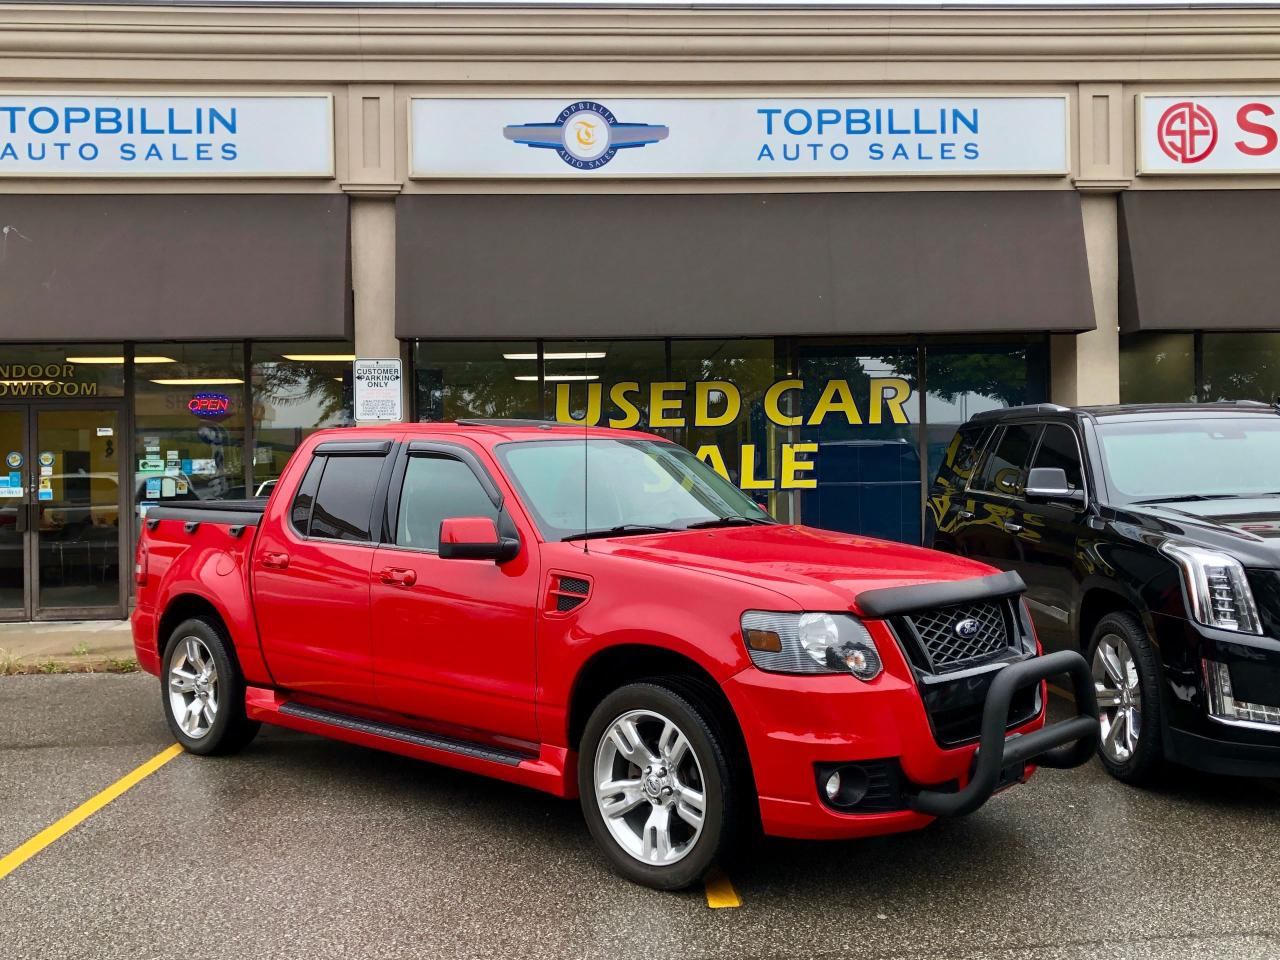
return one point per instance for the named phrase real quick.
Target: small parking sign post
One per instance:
(378, 390)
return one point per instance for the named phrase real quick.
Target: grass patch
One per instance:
(11, 665)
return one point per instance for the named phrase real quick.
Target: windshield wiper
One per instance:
(621, 530)
(734, 520)
(1187, 497)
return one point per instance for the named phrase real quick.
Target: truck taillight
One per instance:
(140, 565)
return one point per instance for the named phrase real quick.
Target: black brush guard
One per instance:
(1062, 745)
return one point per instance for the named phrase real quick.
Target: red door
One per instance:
(453, 639)
(311, 576)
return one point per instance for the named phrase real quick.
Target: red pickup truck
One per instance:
(597, 613)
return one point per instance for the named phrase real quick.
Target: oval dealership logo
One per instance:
(966, 629)
(1187, 132)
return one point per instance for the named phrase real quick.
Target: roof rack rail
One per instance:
(1025, 409)
(513, 422)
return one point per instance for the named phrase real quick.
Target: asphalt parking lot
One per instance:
(302, 847)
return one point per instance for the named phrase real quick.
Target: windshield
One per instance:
(629, 483)
(1192, 458)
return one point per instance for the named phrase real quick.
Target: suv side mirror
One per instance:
(475, 538)
(1050, 483)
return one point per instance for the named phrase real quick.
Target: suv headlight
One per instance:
(810, 643)
(1219, 591)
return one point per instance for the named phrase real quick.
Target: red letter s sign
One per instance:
(1268, 134)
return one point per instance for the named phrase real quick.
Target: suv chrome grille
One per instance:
(966, 633)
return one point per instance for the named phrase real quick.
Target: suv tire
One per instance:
(667, 755)
(202, 690)
(1126, 675)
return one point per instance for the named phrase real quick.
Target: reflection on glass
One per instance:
(861, 406)
(964, 380)
(482, 379)
(189, 423)
(12, 447)
(1158, 368)
(608, 382)
(78, 508)
(1241, 366)
(298, 388)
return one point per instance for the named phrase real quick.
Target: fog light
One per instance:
(1223, 704)
(833, 786)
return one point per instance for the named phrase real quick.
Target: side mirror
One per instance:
(1050, 484)
(475, 538)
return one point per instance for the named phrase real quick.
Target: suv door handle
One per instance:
(398, 576)
(966, 514)
(1011, 527)
(276, 561)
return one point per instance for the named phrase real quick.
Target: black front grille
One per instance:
(963, 635)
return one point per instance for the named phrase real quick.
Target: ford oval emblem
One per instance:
(966, 629)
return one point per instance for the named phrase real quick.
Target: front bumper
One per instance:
(795, 724)
(1193, 737)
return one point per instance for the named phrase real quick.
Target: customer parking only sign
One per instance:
(605, 137)
(78, 135)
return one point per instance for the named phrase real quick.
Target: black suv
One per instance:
(1149, 539)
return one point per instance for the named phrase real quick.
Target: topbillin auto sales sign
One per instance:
(1209, 134)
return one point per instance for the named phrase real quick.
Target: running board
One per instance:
(390, 731)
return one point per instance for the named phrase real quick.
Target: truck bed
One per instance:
(234, 512)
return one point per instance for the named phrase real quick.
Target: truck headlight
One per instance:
(810, 643)
(1219, 591)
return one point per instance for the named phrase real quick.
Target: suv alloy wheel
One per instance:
(656, 786)
(203, 690)
(1126, 677)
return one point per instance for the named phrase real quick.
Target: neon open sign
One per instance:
(210, 406)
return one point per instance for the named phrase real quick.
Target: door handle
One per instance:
(398, 576)
(276, 561)
(1011, 527)
(966, 514)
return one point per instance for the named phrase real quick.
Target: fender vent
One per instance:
(567, 593)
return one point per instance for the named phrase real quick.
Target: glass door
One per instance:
(14, 514)
(75, 544)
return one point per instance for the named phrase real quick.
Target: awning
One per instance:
(199, 267)
(613, 265)
(1199, 259)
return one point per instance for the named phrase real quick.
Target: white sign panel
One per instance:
(885, 136)
(1196, 134)
(378, 390)
(79, 135)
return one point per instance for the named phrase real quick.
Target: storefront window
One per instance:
(64, 371)
(1158, 367)
(298, 388)
(1241, 366)
(857, 414)
(189, 422)
(482, 379)
(825, 432)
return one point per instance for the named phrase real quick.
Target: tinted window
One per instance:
(1006, 468)
(961, 457)
(344, 501)
(1059, 449)
(300, 514)
(436, 488)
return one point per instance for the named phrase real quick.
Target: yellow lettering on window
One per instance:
(747, 479)
(772, 403)
(710, 454)
(892, 392)
(630, 413)
(836, 398)
(703, 390)
(565, 415)
(792, 466)
(660, 405)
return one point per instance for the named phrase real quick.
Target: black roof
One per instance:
(1128, 409)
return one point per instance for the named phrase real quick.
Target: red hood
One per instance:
(804, 563)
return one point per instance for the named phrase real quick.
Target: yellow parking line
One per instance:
(720, 892)
(81, 813)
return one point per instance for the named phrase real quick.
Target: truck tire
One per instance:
(1126, 675)
(202, 690)
(658, 791)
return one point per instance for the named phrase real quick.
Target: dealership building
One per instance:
(807, 242)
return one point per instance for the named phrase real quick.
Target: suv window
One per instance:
(961, 457)
(305, 498)
(436, 488)
(1058, 448)
(344, 500)
(1005, 471)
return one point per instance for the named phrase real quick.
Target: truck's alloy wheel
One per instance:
(1126, 677)
(655, 785)
(203, 690)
